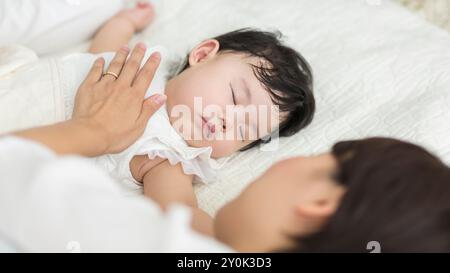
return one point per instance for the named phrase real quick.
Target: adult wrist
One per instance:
(94, 134)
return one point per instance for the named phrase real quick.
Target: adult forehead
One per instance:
(320, 162)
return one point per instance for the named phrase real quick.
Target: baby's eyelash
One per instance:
(234, 101)
(232, 93)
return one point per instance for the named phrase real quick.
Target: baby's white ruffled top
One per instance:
(160, 139)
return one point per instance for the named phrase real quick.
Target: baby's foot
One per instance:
(140, 16)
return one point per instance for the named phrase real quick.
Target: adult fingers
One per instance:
(150, 106)
(133, 64)
(146, 74)
(96, 72)
(116, 64)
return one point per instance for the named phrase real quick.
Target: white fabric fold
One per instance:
(48, 205)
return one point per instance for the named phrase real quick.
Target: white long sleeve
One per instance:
(63, 204)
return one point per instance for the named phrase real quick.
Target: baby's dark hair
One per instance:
(285, 74)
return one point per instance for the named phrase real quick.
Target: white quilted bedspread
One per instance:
(379, 71)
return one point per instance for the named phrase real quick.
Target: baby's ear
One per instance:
(204, 51)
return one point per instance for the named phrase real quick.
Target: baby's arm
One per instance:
(167, 184)
(164, 183)
(119, 29)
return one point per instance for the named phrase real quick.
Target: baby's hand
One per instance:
(140, 165)
(140, 16)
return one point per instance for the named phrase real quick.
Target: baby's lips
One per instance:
(212, 128)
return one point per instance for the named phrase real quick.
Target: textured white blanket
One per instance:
(379, 71)
(436, 11)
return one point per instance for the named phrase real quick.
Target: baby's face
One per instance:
(228, 106)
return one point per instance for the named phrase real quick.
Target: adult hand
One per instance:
(113, 104)
(110, 111)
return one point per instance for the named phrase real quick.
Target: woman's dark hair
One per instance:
(398, 195)
(286, 75)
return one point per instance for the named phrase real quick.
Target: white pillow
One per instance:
(47, 26)
(379, 71)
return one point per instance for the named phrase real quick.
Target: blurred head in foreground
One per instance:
(383, 190)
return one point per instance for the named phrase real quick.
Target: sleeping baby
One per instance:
(233, 92)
